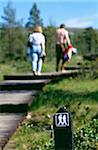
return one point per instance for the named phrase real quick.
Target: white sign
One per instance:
(62, 119)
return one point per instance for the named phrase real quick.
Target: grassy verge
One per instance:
(24, 67)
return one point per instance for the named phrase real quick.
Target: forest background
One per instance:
(14, 35)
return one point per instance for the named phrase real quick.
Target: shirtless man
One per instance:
(62, 39)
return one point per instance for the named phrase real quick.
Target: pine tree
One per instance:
(9, 16)
(34, 18)
(8, 27)
(12, 35)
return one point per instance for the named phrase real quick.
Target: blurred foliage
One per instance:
(84, 139)
(13, 38)
(87, 137)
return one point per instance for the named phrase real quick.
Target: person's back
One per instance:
(37, 38)
(37, 50)
(62, 38)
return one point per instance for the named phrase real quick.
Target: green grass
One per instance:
(24, 67)
(6, 69)
(79, 96)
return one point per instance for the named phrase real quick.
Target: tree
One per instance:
(91, 40)
(8, 26)
(9, 15)
(34, 18)
(13, 37)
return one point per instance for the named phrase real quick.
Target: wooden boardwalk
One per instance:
(16, 94)
(8, 125)
(51, 75)
(13, 109)
(23, 84)
(16, 97)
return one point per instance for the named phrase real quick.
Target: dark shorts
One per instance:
(59, 53)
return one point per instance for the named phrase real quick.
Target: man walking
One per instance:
(62, 40)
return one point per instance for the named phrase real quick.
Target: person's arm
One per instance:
(43, 46)
(67, 38)
(30, 40)
(43, 49)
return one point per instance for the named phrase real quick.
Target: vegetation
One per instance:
(79, 95)
(34, 18)
(13, 36)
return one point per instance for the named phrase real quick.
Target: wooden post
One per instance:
(62, 126)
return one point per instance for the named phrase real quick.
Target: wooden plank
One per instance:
(16, 101)
(21, 108)
(49, 75)
(16, 97)
(8, 125)
(24, 81)
(23, 84)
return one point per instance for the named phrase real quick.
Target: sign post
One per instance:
(62, 126)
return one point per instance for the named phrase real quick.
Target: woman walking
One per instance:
(37, 49)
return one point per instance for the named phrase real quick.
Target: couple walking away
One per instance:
(36, 48)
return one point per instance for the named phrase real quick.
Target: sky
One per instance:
(73, 13)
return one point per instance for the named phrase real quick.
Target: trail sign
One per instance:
(62, 119)
(62, 126)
